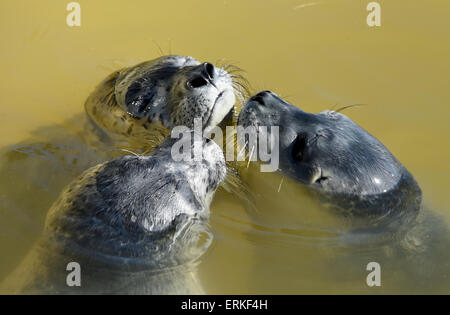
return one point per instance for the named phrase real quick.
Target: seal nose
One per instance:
(259, 98)
(205, 76)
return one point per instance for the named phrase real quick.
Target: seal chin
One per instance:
(222, 106)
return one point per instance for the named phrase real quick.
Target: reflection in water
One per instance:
(299, 247)
(33, 174)
(171, 270)
(330, 251)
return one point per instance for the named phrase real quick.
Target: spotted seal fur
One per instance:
(164, 92)
(132, 224)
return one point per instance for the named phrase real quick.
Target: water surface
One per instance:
(316, 54)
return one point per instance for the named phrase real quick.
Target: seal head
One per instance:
(333, 156)
(131, 207)
(170, 90)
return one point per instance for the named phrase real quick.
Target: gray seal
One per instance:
(167, 91)
(339, 161)
(357, 179)
(133, 225)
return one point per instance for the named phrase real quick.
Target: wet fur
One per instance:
(339, 162)
(131, 224)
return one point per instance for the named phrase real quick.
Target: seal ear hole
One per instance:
(298, 148)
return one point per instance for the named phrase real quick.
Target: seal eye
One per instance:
(138, 98)
(196, 82)
(298, 148)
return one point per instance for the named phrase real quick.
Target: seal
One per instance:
(337, 160)
(132, 224)
(372, 205)
(168, 91)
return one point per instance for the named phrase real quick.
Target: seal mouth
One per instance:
(211, 111)
(217, 98)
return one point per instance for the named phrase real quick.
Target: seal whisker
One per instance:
(281, 182)
(134, 153)
(241, 88)
(161, 53)
(347, 106)
(243, 84)
(233, 69)
(244, 147)
(237, 187)
(228, 66)
(250, 157)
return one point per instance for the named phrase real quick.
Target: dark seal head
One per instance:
(170, 90)
(131, 224)
(337, 159)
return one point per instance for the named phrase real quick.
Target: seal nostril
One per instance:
(196, 82)
(258, 98)
(209, 70)
(322, 180)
